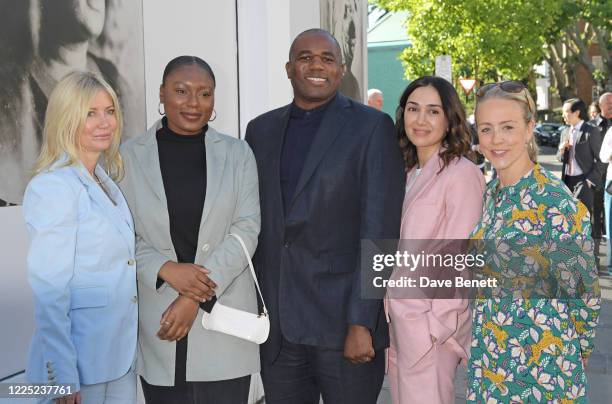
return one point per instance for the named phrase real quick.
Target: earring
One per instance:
(160, 109)
(214, 116)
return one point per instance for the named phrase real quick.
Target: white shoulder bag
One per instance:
(239, 323)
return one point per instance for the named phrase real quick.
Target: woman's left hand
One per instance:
(178, 319)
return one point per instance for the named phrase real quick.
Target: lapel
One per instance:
(422, 183)
(119, 215)
(215, 165)
(279, 129)
(333, 121)
(148, 158)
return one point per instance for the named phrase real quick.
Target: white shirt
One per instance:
(574, 168)
(605, 153)
(412, 179)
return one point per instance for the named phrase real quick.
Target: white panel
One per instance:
(16, 307)
(305, 14)
(266, 29)
(206, 29)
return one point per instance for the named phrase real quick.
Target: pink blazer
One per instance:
(445, 205)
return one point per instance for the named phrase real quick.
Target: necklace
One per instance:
(99, 182)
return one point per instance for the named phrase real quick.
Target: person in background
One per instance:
(599, 210)
(331, 174)
(582, 168)
(605, 102)
(81, 260)
(529, 347)
(189, 187)
(375, 98)
(443, 201)
(594, 113)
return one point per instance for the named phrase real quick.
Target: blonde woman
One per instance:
(81, 263)
(533, 344)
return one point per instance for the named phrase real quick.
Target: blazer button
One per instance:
(131, 262)
(134, 299)
(205, 247)
(287, 244)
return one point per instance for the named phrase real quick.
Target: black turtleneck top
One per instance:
(182, 160)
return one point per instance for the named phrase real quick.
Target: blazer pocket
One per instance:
(88, 297)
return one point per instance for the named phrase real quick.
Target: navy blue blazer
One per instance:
(351, 188)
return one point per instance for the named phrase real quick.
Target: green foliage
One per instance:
(486, 39)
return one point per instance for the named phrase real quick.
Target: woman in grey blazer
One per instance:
(188, 187)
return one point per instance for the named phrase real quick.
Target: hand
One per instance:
(74, 398)
(585, 362)
(358, 346)
(189, 280)
(178, 319)
(566, 145)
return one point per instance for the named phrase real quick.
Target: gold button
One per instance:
(131, 262)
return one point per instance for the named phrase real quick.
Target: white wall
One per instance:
(203, 28)
(206, 29)
(266, 29)
(16, 309)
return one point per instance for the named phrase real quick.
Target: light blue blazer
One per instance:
(82, 271)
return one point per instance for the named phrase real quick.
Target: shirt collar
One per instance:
(578, 126)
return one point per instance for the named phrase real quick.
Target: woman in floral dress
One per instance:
(533, 345)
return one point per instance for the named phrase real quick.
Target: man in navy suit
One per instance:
(331, 173)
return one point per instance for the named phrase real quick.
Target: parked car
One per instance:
(548, 133)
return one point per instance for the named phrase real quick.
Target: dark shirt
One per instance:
(604, 125)
(301, 129)
(182, 161)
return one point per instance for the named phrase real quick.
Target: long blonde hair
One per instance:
(65, 118)
(528, 106)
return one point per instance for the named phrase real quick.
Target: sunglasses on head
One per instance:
(510, 86)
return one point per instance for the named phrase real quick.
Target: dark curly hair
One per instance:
(457, 140)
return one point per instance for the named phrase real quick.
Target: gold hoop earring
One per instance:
(160, 109)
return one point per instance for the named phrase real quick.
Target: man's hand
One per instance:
(566, 144)
(178, 319)
(189, 280)
(74, 398)
(358, 346)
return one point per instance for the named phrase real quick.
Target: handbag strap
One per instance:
(252, 268)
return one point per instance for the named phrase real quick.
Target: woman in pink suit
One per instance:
(443, 201)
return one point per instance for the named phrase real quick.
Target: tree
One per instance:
(497, 39)
(486, 39)
(582, 23)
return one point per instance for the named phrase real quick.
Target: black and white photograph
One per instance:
(43, 40)
(346, 20)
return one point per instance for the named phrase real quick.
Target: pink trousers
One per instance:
(430, 380)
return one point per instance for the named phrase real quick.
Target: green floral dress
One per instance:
(531, 349)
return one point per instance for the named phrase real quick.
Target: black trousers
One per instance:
(585, 194)
(303, 373)
(232, 391)
(578, 186)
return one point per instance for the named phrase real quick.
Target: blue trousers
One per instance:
(119, 391)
